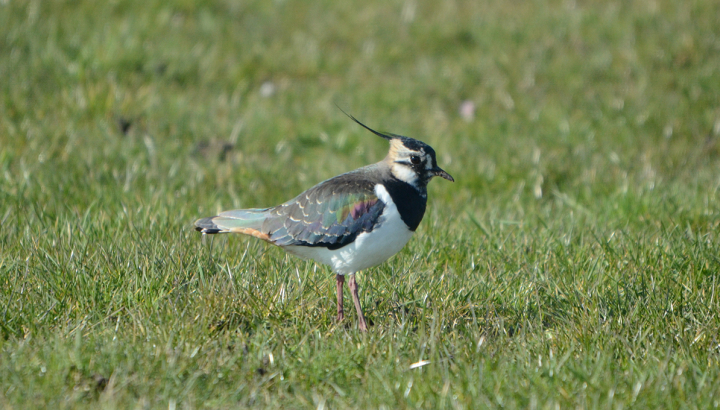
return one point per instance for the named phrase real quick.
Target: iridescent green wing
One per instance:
(330, 214)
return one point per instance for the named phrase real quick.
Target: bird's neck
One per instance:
(409, 200)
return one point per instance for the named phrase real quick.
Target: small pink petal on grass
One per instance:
(467, 110)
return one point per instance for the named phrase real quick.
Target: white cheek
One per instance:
(404, 173)
(428, 163)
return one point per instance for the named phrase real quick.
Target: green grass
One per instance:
(573, 264)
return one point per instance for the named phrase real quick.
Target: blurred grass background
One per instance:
(573, 263)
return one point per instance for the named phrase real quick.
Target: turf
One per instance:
(573, 264)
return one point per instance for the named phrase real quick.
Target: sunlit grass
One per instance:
(573, 263)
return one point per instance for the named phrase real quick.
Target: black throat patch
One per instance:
(409, 201)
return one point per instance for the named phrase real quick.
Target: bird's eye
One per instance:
(415, 159)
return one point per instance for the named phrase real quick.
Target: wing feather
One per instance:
(330, 214)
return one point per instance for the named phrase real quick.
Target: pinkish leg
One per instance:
(340, 312)
(356, 300)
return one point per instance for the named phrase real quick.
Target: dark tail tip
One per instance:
(206, 225)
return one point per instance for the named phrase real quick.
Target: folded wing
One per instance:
(330, 215)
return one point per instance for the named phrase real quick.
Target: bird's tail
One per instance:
(245, 221)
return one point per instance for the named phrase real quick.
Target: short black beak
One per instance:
(438, 172)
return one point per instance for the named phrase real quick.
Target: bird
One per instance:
(350, 222)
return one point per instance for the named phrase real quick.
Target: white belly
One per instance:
(369, 248)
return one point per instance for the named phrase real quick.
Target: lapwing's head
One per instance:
(410, 160)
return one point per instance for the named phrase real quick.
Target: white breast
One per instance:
(369, 248)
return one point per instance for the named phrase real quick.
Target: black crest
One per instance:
(409, 143)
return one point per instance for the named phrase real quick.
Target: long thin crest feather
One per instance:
(379, 134)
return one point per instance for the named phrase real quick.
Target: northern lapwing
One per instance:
(351, 222)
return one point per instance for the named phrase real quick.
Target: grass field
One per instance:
(574, 263)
